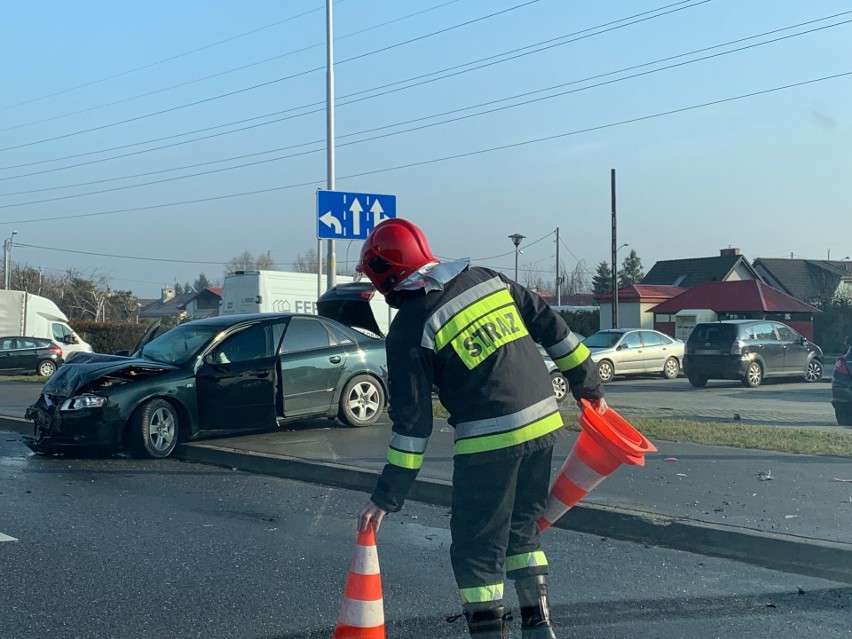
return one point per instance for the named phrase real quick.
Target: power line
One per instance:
(163, 60)
(228, 71)
(448, 157)
(511, 106)
(458, 70)
(271, 82)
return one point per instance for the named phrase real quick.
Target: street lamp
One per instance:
(615, 284)
(7, 258)
(516, 240)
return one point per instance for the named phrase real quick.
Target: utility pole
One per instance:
(7, 260)
(558, 278)
(614, 257)
(331, 266)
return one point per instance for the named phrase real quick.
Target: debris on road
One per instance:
(767, 476)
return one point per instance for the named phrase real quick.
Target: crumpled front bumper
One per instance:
(55, 430)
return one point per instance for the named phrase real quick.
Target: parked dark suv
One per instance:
(749, 350)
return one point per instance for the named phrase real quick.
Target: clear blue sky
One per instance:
(768, 174)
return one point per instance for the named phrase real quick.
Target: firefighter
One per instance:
(472, 333)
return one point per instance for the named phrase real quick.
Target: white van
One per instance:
(281, 292)
(27, 315)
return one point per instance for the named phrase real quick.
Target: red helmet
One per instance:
(394, 250)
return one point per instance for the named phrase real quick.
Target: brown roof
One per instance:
(735, 297)
(643, 293)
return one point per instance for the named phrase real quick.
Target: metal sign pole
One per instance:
(331, 266)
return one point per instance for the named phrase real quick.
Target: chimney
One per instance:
(168, 293)
(729, 251)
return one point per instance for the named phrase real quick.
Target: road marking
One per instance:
(6, 538)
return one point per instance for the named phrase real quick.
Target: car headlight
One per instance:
(82, 402)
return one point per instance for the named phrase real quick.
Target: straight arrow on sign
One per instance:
(355, 209)
(377, 211)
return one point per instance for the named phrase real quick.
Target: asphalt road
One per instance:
(118, 548)
(780, 403)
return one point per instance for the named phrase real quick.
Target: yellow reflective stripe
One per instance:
(512, 438)
(487, 334)
(573, 359)
(469, 315)
(525, 560)
(412, 461)
(482, 593)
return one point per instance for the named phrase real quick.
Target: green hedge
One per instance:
(109, 337)
(832, 326)
(583, 322)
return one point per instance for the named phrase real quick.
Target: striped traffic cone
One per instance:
(606, 442)
(362, 613)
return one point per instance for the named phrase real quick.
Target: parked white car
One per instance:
(630, 351)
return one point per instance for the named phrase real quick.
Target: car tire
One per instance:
(671, 369)
(560, 386)
(698, 381)
(154, 429)
(46, 368)
(606, 371)
(362, 401)
(843, 414)
(813, 373)
(753, 375)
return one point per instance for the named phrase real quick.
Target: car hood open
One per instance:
(349, 304)
(86, 368)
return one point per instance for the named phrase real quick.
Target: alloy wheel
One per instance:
(364, 400)
(814, 371)
(162, 429)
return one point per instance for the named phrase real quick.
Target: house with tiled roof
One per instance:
(634, 302)
(728, 266)
(203, 304)
(169, 305)
(744, 299)
(811, 281)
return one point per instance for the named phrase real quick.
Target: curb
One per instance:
(16, 424)
(777, 551)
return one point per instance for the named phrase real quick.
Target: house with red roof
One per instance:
(743, 299)
(634, 303)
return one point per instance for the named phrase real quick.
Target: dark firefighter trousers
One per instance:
(493, 524)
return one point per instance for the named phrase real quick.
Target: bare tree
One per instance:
(307, 262)
(531, 277)
(245, 261)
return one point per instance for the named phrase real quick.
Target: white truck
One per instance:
(283, 291)
(27, 315)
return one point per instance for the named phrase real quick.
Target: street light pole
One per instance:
(7, 259)
(516, 240)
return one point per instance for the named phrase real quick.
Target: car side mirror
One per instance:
(71, 339)
(621, 347)
(803, 341)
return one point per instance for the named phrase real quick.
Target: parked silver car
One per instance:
(628, 351)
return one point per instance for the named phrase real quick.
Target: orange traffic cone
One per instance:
(362, 613)
(606, 442)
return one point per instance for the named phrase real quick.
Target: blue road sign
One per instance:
(351, 216)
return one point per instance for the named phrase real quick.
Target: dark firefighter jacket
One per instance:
(475, 340)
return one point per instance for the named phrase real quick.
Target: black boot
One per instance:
(535, 613)
(487, 623)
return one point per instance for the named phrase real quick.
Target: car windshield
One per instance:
(180, 344)
(603, 339)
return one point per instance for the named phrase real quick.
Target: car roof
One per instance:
(225, 321)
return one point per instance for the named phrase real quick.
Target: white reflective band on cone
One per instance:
(361, 614)
(365, 561)
(581, 475)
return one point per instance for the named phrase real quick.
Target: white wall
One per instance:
(630, 315)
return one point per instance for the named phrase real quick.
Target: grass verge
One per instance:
(783, 439)
(35, 379)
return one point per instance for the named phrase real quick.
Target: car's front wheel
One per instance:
(46, 368)
(671, 368)
(362, 401)
(813, 373)
(753, 375)
(560, 386)
(154, 429)
(606, 371)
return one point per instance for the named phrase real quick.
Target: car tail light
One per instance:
(738, 347)
(840, 365)
(53, 348)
